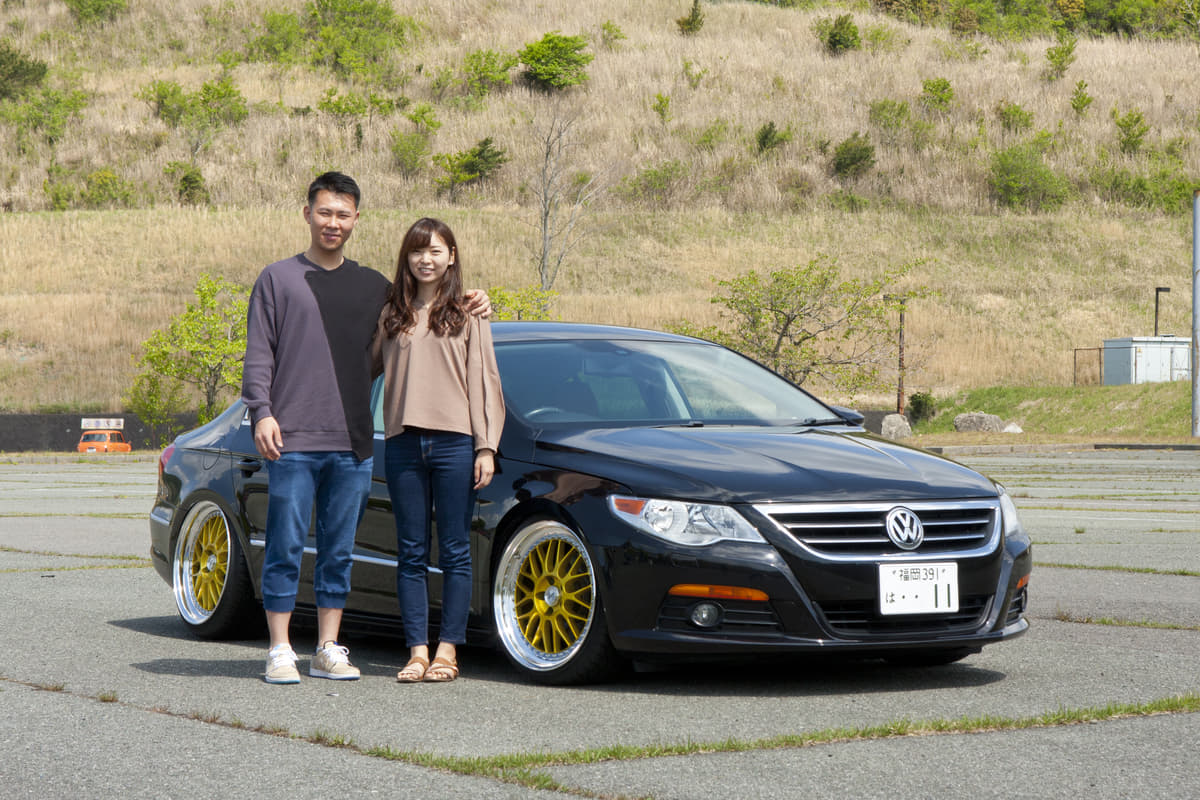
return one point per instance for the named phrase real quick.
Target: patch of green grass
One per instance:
(1140, 410)
(1190, 573)
(1066, 616)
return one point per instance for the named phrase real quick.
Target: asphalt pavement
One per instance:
(104, 694)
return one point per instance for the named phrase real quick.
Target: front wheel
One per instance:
(210, 579)
(547, 608)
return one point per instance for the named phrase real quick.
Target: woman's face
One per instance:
(428, 264)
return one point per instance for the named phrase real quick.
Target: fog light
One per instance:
(706, 615)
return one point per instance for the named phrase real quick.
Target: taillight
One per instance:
(164, 458)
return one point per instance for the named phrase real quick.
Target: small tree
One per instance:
(202, 347)
(530, 304)
(556, 61)
(157, 400)
(562, 194)
(472, 165)
(1132, 129)
(1060, 56)
(18, 72)
(805, 322)
(691, 23)
(853, 156)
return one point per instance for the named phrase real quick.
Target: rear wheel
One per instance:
(210, 580)
(548, 611)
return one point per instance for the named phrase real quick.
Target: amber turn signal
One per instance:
(718, 592)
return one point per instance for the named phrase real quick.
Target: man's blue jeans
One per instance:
(426, 467)
(338, 483)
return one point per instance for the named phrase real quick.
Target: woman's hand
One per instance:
(485, 467)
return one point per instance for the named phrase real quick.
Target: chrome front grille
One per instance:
(857, 532)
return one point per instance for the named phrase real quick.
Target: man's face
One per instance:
(331, 219)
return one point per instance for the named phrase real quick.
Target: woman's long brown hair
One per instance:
(447, 313)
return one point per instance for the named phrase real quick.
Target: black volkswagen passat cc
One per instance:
(656, 497)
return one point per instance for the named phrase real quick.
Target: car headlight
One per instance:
(1008, 513)
(695, 524)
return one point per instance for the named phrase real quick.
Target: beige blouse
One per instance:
(444, 383)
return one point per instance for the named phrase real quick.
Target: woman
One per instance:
(443, 411)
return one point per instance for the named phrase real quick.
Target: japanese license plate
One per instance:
(918, 588)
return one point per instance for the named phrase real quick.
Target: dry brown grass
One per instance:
(1015, 293)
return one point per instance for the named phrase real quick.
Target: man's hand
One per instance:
(478, 303)
(267, 438)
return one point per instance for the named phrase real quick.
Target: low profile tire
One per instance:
(928, 658)
(209, 578)
(549, 618)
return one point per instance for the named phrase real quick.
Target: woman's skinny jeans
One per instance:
(427, 468)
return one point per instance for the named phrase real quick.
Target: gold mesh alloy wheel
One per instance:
(544, 596)
(201, 562)
(553, 595)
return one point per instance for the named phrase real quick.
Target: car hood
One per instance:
(736, 464)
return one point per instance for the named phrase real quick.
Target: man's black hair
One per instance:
(335, 182)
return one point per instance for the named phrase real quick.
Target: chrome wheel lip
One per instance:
(190, 538)
(504, 596)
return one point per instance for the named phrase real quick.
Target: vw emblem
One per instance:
(904, 528)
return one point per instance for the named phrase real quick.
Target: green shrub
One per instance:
(190, 187)
(716, 133)
(768, 137)
(883, 39)
(556, 61)
(921, 406)
(692, 75)
(356, 38)
(1061, 55)
(658, 186)
(473, 165)
(282, 41)
(86, 12)
(1019, 178)
(1131, 130)
(410, 151)
(423, 116)
(1080, 99)
(485, 71)
(691, 23)
(936, 94)
(840, 35)
(531, 304)
(1166, 188)
(18, 72)
(662, 107)
(890, 117)
(1013, 118)
(103, 188)
(610, 34)
(853, 156)
(346, 107)
(46, 114)
(167, 101)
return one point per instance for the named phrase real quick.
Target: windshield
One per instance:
(647, 383)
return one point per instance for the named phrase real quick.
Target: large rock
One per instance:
(978, 422)
(895, 426)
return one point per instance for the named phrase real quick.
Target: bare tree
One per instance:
(563, 192)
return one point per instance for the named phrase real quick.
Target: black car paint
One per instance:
(553, 471)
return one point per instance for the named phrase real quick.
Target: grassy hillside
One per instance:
(669, 125)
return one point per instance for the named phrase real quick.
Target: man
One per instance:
(307, 382)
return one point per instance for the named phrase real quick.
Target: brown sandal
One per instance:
(441, 671)
(414, 671)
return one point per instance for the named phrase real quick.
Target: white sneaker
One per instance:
(281, 665)
(332, 660)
